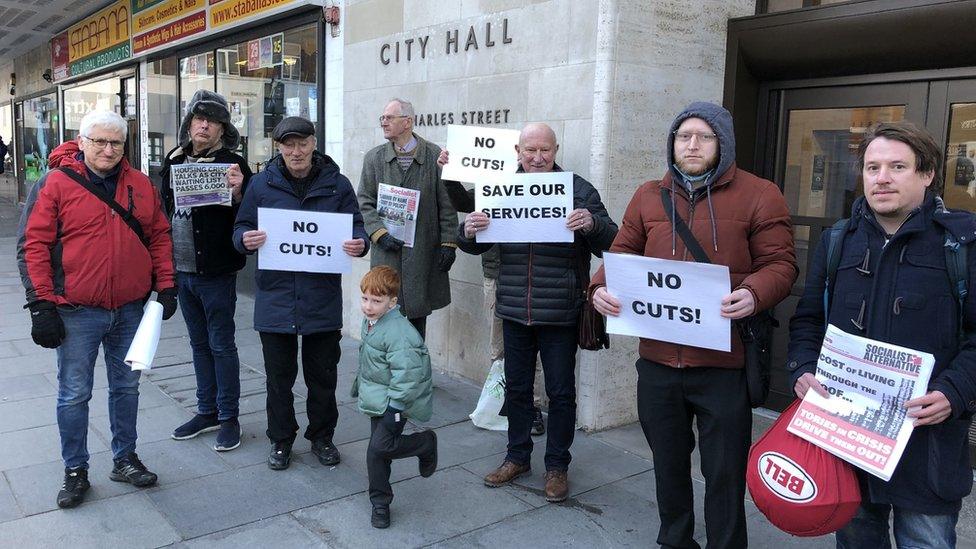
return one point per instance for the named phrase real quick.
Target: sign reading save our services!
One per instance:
(95, 42)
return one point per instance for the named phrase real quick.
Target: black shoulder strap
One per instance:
(834, 245)
(126, 215)
(683, 231)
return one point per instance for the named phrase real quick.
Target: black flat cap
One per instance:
(292, 126)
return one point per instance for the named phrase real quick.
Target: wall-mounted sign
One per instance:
(95, 42)
(234, 12)
(420, 47)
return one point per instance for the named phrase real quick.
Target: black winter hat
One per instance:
(214, 107)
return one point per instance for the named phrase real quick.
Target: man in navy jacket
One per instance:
(892, 285)
(289, 304)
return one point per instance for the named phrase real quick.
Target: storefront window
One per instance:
(38, 136)
(164, 112)
(196, 73)
(266, 79)
(960, 173)
(101, 95)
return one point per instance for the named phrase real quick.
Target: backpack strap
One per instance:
(834, 246)
(956, 257)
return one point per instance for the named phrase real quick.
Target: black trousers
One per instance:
(420, 323)
(320, 356)
(668, 400)
(386, 443)
(556, 345)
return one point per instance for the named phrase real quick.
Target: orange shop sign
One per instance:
(100, 32)
(229, 12)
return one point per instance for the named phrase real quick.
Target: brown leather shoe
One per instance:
(507, 472)
(557, 486)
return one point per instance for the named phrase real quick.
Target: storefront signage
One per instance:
(93, 43)
(233, 12)
(454, 42)
(170, 33)
(164, 13)
(104, 31)
(265, 52)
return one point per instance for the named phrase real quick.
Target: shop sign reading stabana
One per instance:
(94, 42)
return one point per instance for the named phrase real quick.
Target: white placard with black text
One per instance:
(527, 207)
(303, 241)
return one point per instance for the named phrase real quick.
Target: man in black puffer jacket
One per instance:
(207, 265)
(538, 299)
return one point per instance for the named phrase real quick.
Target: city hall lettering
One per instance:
(410, 48)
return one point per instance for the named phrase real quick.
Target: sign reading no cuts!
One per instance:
(675, 301)
(527, 207)
(302, 241)
(480, 155)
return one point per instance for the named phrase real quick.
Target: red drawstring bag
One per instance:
(801, 488)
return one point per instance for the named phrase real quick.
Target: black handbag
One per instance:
(756, 331)
(591, 326)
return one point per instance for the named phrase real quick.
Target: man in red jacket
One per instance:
(742, 222)
(87, 273)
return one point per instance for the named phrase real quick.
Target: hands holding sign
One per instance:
(235, 179)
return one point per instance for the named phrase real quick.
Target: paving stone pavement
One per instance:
(231, 499)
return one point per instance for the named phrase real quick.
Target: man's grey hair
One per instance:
(406, 107)
(108, 120)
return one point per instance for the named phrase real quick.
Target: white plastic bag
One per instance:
(485, 415)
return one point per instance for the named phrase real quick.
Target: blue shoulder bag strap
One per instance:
(834, 246)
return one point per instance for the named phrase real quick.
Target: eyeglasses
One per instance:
(390, 117)
(685, 137)
(102, 143)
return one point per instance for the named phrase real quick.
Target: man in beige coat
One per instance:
(409, 161)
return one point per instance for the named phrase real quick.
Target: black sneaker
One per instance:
(229, 435)
(538, 424)
(380, 517)
(196, 426)
(130, 469)
(280, 457)
(428, 463)
(74, 487)
(327, 453)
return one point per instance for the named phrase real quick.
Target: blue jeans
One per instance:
(208, 304)
(85, 328)
(869, 529)
(556, 345)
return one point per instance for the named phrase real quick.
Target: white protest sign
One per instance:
(527, 207)
(397, 208)
(200, 184)
(864, 421)
(142, 350)
(480, 155)
(303, 241)
(675, 301)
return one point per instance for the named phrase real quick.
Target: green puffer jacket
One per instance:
(394, 369)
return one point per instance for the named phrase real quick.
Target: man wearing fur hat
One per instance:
(207, 265)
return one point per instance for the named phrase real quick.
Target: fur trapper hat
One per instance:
(213, 106)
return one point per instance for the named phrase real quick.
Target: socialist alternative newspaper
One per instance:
(864, 420)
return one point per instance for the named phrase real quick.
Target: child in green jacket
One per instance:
(393, 384)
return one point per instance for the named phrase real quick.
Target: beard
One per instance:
(694, 168)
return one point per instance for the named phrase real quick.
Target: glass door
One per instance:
(814, 161)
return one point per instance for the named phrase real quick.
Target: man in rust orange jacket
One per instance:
(741, 221)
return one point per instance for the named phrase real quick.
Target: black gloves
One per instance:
(47, 329)
(390, 243)
(167, 298)
(447, 257)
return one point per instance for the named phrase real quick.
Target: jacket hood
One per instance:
(721, 122)
(69, 155)
(213, 106)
